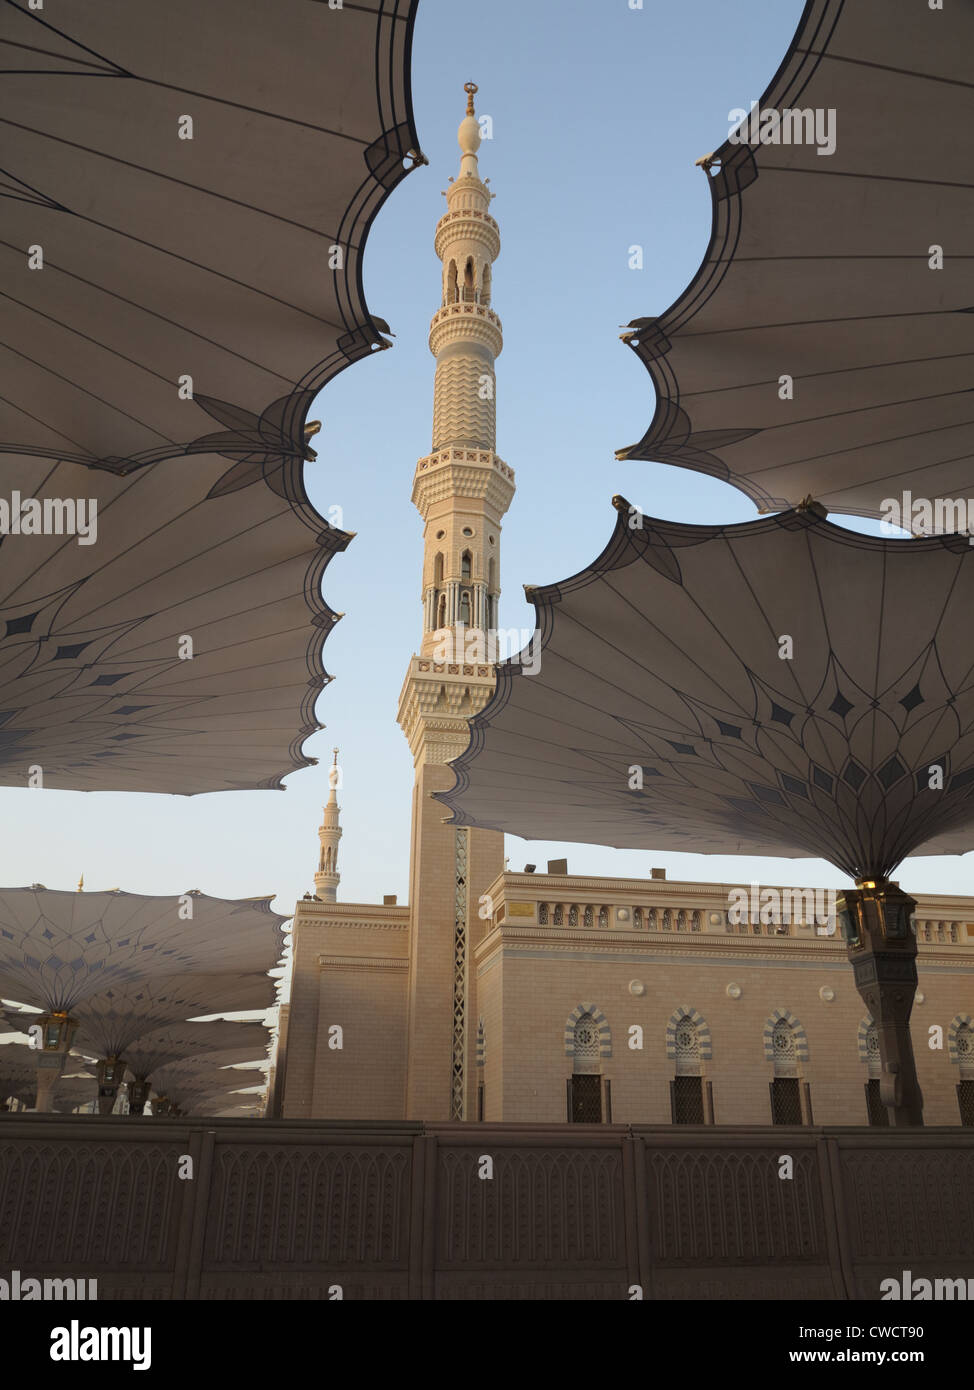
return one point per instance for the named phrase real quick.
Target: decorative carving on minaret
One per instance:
(463, 488)
(330, 832)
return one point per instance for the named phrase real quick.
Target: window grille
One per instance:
(965, 1099)
(786, 1104)
(876, 1111)
(687, 1100)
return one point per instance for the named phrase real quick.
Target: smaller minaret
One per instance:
(330, 832)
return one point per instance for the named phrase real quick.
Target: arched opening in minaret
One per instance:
(468, 283)
(491, 575)
(466, 561)
(441, 611)
(485, 285)
(451, 294)
(465, 607)
(438, 570)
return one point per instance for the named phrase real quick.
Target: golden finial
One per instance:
(81, 884)
(470, 88)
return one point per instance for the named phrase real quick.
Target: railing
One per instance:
(300, 1209)
(606, 916)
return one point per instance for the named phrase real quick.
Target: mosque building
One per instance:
(548, 997)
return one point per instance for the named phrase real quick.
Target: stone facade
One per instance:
(671, 954)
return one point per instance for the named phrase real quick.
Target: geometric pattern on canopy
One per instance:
(663, 655)
(59, 950)
(112, 1021)
(168, 260)
(817, 268)
(233, 1040)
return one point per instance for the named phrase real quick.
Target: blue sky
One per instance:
(599, 112)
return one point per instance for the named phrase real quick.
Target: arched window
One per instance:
(695, 921)
(586, 1046)
(438, 570)
(964, 1047)
(667, 919)
(485, 285)
(637, 918)
(685, 1046)
(589, 917)
(681, 920)
(559, 915)
(452, 294)
(542, 914)
(964, 1052)
(465, 607)
(785, 1052)
(876, 1112)
(468, 279)
(872, 1050)
(441, 611)
(573, 915)
(786, 1088)
(466, 562)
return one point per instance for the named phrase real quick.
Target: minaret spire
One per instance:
(462, 489)
(330, 832)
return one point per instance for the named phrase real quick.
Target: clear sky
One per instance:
(599, 112)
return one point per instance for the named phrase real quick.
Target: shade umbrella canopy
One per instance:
(114, 1021)
(198, 285)
(819, 269)
(243, 1042)
(59, 949)
(182, 1083)
(665, 656)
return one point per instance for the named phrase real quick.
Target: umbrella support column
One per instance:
(878, 924)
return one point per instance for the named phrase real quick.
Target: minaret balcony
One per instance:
(465, 322)
(466, 224)
(477, 473)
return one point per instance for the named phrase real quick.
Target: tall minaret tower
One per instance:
(329, 833)
(462, 489)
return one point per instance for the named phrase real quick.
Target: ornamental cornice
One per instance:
(436, 703)
(718, 951)
(459, 213)
(466, 323)
(362, 962)
(474, 459)
(448, 480)
(314, 911)
(465, 226)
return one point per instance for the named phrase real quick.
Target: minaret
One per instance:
(329, 833)
(462, 489)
